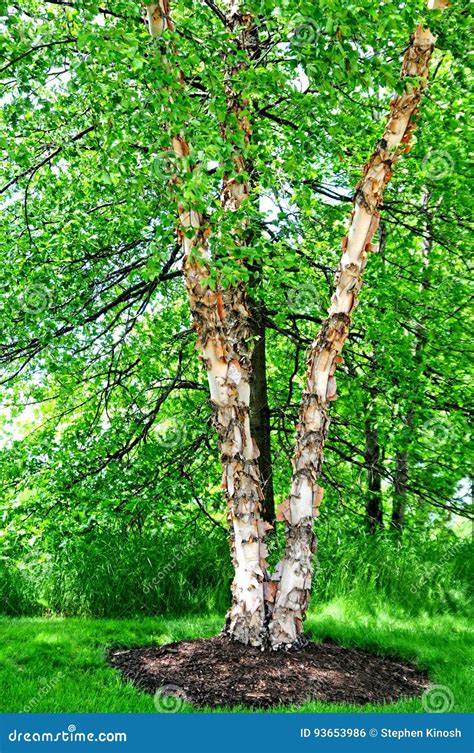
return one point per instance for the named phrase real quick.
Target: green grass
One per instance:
(58, 664)
(107, 574)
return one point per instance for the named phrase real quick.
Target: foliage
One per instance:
(106, 431)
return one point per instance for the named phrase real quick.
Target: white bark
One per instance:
(221, 319)
(292, 596)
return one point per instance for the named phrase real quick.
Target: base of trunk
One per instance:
(238, 631)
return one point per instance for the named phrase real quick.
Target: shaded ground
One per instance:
(216, 672)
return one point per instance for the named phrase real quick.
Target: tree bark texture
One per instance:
(293, 590)
(222, 319)
(274, 609)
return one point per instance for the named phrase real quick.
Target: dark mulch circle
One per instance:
(217, 672)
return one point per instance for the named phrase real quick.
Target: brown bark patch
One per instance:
(217, 672)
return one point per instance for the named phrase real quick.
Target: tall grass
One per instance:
(425, 576)
(112, 574)
(109, 574)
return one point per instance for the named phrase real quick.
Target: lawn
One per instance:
(59, 665)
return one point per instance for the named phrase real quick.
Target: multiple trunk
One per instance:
(271, 611)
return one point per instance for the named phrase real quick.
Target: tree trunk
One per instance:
(293, 592)
(401, 462)
(260, 415)
(222, 319)
(399, 501)
(374, 510)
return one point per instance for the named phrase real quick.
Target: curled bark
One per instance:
(292, 596)
(222, 322)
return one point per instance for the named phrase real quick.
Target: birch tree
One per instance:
(226, 359)
(222, 321)
(96, 318)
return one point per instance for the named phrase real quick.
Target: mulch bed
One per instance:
(217, 672)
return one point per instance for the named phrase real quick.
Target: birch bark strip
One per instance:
(292, 598)
(222, 321)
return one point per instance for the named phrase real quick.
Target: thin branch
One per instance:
(47, 159)
(68, 40)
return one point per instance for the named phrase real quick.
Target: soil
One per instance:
(218, 672)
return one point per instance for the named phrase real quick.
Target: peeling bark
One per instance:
(222, 320)
(248, 529)
(292, 596)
